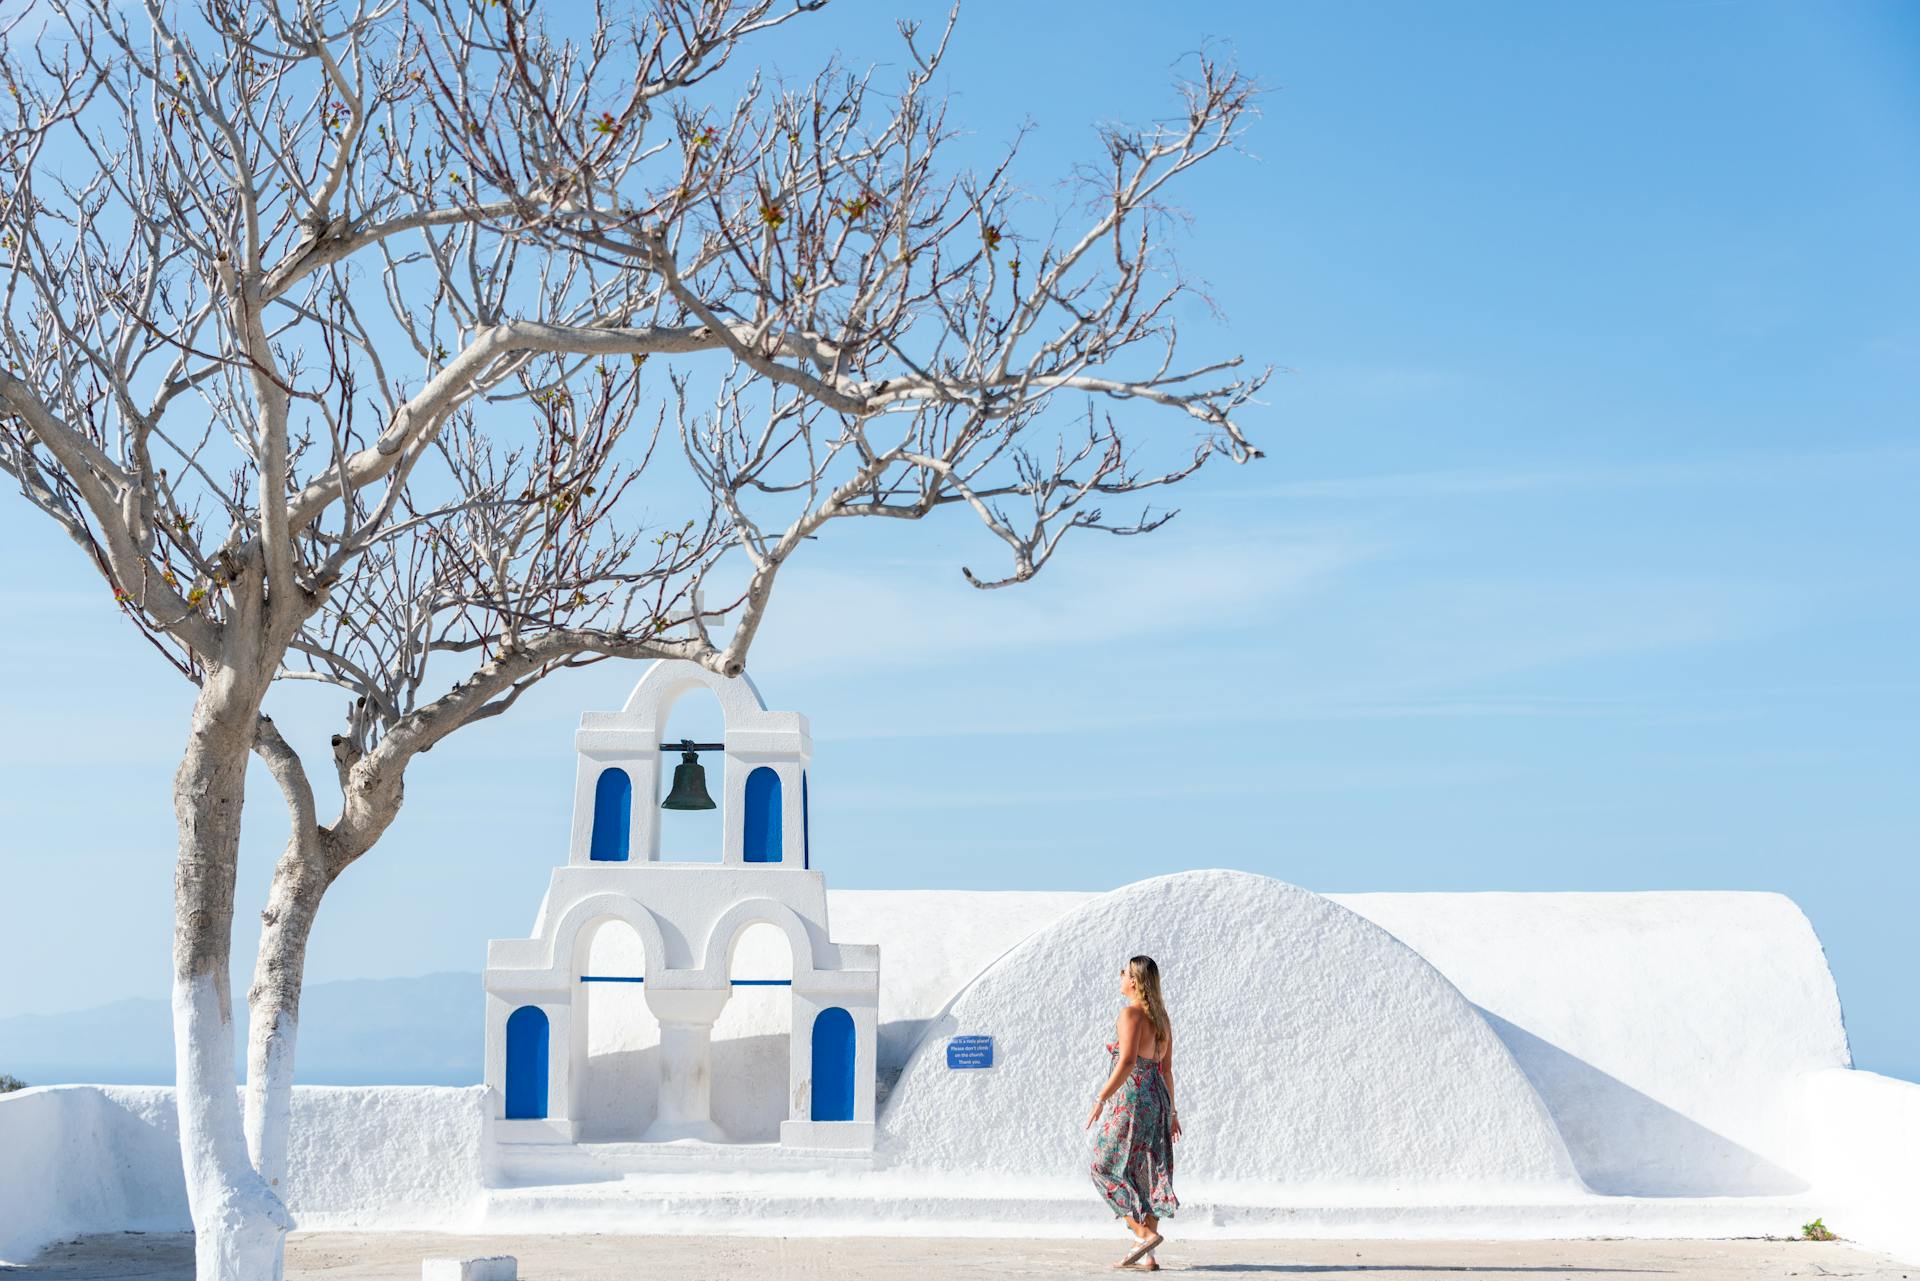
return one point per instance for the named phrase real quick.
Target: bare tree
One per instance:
(414, 348)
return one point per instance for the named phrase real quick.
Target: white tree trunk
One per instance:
(239, 1223)
(299, 880)
(271, 1039)
(272, 1036)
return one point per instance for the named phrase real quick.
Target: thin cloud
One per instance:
(1429, 652)
(1296, 777)
(836, 619)
(1332, 710)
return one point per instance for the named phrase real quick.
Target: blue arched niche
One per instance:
(760, 836)
(612, 816)
(527, 1064)
(833, 1056)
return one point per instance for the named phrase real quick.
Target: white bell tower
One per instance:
(687, 917)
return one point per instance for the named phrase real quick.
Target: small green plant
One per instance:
(1816, 1231)
(8, 1084)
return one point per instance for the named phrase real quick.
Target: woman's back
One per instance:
(1146, 1041)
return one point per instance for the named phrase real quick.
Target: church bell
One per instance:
(689, 786)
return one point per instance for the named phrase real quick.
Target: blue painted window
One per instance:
(806, 826)
(527, 1064)
(761, 836)
(612, 816)
(833, 1065)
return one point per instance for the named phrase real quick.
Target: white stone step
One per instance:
(894, 1202)
(521, 1164)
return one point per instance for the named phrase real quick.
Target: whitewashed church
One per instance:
(688, 918)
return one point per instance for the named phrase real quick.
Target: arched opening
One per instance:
(612, 816)
(833, 1059)
(760, 831)
(527, 1059)
(753, 1037)
(621, 1067)
(693, 836)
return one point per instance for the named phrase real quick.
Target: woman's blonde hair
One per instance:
(1146, 981)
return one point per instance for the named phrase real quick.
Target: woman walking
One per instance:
(1133, 1155)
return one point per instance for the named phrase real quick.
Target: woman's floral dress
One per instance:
(1133, 1152)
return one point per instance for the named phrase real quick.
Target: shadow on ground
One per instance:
(146, 1255)
(1400, 1269)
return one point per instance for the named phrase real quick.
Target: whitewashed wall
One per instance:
(78, 1159)
(1666, 1031)
(1866, 1156)
(1310, 1047)
(1682, 1043)
(86, 1158)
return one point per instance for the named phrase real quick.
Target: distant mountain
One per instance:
(427, 1030)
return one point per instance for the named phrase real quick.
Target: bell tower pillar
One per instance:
(631, 746)
(685, 1109)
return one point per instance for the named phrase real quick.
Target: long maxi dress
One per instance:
(1133, 1152)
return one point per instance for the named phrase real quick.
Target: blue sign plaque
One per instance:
(969, 1052)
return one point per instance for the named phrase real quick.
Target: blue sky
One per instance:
(1583, 557)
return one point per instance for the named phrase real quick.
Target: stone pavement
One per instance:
(396, 1256)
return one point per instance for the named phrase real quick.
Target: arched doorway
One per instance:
(620, 1086)
(752, 1038)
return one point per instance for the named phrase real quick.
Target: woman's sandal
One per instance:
(1146, 1246)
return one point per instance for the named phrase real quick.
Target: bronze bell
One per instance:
(689, 786)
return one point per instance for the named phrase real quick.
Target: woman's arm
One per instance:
(1126, 1036)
